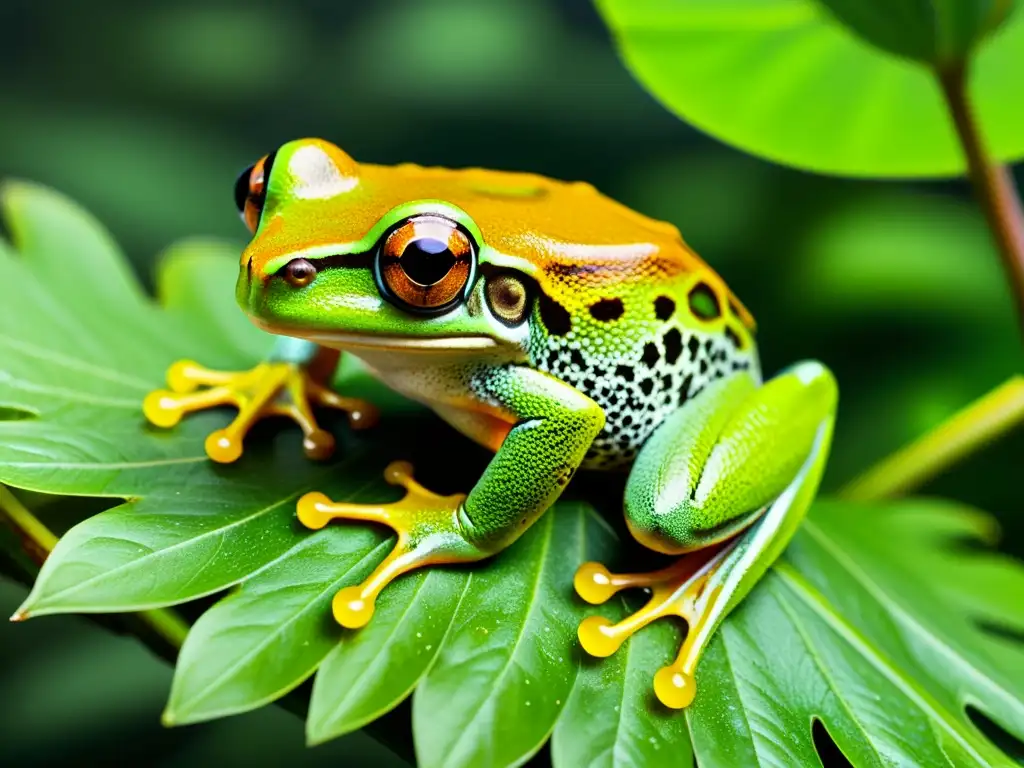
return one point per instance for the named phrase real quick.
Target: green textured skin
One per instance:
(555, 426)
(711, 467)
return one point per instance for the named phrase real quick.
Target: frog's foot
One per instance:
(679, 590)
(269, 389)
(429, 528)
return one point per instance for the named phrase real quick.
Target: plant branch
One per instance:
(978, 424)
(165, 628)
(993, 184)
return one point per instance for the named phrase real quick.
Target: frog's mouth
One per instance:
(383, 342)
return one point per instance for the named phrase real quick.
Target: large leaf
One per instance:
(937, 33)
(878, 622)
(785, 80)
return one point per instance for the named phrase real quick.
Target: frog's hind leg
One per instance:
(290, 383)
(727, 480)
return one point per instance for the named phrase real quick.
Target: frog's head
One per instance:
(403, 257)
(357, 256)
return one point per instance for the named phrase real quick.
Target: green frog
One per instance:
(550, 324)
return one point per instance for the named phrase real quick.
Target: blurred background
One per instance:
(146, 112)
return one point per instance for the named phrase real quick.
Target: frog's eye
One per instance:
(425, 263)
(251, 190)
(508, 298)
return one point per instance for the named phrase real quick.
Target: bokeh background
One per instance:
(146, 112)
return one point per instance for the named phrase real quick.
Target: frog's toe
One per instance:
(678, 590)
(429, 532)
(362, 414)
(165, 408)
(269, 389)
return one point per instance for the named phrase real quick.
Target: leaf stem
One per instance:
(978, 424)
(38, 541)
(993, 184)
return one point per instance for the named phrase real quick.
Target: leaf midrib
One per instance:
(154, 553)
(827, 676)
(542, 562)
(898, 612)
(278, 630)
(817, 603)
(75, 364)
(361, 683)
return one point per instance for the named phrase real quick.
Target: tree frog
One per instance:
(554, 326)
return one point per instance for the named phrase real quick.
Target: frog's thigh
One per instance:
(710, 469)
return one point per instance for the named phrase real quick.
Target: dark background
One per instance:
(146, 112)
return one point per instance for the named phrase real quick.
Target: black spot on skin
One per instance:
(733, 337)
(606, 310)
(624, 372)
(576, 358)
(704, 302)
(694, 346)
(589, 384)
(703, 366)
(687, 383)
(664, 307)
(650, 358)
(709, 345)
(647, 386)
(673, 346)
(627, 420)
(554, 316)
(666, 381)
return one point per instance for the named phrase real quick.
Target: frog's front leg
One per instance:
(727, 479)
(296, 377)
(550, 427)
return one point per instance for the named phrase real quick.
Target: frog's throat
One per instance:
(356, 341)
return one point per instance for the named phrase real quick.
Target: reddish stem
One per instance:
(993, 184)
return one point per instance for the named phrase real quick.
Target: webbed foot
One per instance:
(430, 532)
(680, 590)
(270, 389)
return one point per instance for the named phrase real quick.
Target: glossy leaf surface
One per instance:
(877, 622)
(785, 80)
(931, 32)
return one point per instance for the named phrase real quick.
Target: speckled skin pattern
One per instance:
(659, 357)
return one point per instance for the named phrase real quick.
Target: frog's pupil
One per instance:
(427, 260)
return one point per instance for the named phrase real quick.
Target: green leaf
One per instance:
(611, 717)
(870, 624)
(259, 643)
(932, 32)
(509, 664)
(878, 622)
(369, 672)
(783, 79)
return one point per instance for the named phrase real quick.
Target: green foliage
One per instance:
(874, 622)
(785, 80)
(932, 32)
